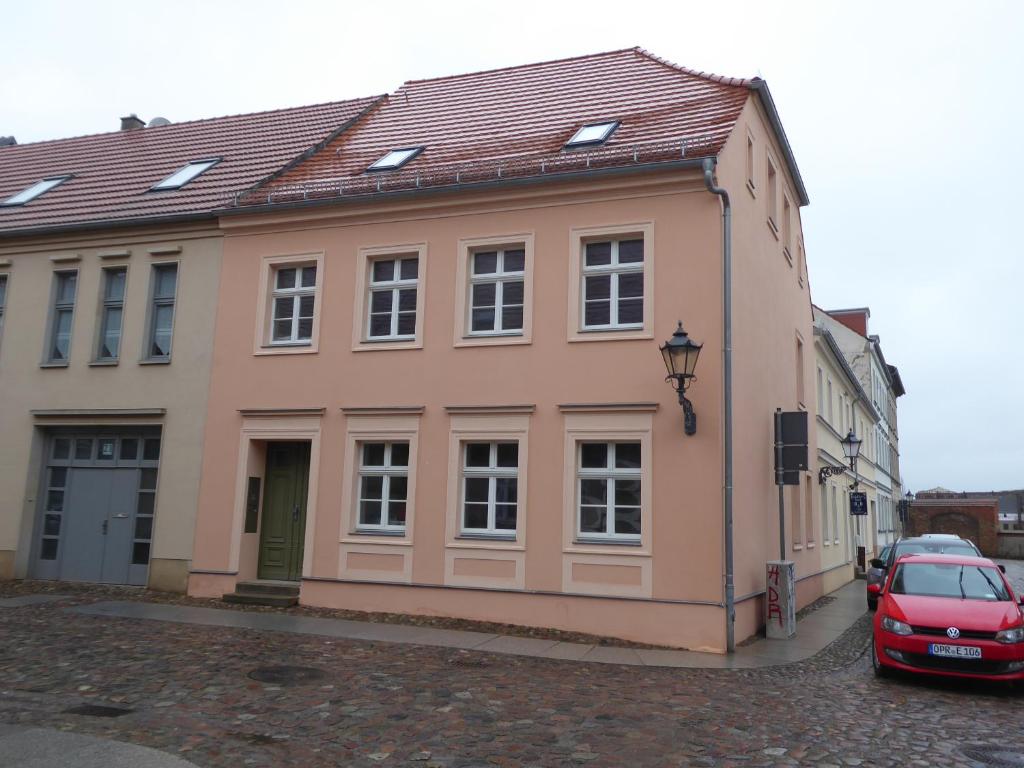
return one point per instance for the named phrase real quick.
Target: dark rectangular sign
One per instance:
(790, 446)
(858, 503)
(794, 428)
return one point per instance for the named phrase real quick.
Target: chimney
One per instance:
(7, 141)
(854, 319)
(132, 123)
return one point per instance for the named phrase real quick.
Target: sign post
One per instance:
(780, 575)
(780, 600)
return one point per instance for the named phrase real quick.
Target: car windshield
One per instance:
(969, 582)
(884, 554)
(936, 547)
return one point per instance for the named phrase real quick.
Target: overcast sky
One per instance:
(905, 118)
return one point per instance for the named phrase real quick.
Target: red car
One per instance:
(948, 615)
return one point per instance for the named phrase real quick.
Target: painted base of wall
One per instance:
(169, 575)
(6, 564)
(694, 627)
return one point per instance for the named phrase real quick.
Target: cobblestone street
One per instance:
(188, 691)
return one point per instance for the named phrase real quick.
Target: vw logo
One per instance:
(953, 633)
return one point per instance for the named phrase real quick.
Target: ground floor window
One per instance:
(383, 486)
(490, 488)
(608, 490)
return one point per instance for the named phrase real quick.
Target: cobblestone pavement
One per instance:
(187, 690)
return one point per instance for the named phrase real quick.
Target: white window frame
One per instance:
(615, 270)
(826, 539)
(187, 173)
(106, 305)
(387, 471)
(610, 474)
(56, 307)
(395, 286)
(499, 278)
(296, 294)
(492, 473)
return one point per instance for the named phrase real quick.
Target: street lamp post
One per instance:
(851, 449)
(680, 354)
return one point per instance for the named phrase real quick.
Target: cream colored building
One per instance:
(110, 259)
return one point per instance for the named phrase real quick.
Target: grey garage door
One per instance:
(95, 520)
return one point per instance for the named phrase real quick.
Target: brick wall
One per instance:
(974, 519)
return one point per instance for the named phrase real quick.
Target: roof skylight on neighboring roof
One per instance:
(595, 133)
(183, 176)
(396, 158)
(27, 195)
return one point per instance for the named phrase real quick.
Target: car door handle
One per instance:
(295, 514)
(121, 516)
(105, 524)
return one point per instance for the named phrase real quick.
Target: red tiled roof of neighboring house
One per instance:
(514, 122)
(113, 172)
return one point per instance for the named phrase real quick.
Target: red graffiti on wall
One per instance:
(774, 609)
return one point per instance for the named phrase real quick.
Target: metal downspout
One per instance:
(730, 589)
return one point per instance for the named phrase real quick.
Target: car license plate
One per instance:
(955, 651)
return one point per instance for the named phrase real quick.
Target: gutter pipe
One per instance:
(730, 589)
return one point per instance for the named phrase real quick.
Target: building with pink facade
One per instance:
(436, 383)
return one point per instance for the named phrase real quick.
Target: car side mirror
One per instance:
(874, 589)
(877, 563)
(1002, 568)
(1020, 600)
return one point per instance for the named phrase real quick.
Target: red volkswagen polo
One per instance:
(949, 615)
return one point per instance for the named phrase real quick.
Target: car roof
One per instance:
(933, 540)
(930, 557)
(939, 536)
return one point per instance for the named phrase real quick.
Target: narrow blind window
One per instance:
(63, 312)
(112, 313)
(392, 299)
(490, 488)
(3, 300)
(824, 514)
(165, 283)
(496, 291)
(294, 299)
(608, 490)
(613, 284)
(383, 486)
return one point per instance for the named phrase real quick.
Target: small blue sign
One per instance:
(858, 503)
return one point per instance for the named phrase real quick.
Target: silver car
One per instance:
(875, 576)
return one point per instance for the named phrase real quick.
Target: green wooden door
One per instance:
(283, 525)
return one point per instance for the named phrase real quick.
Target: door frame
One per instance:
(275, 425)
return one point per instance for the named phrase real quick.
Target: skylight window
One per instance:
(595, 133)
(40, 187)
(181, 177)
(396, 158)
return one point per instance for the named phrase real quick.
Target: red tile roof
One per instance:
(514, 122)
(113, 172)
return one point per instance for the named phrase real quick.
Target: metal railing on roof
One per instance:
(480, 171)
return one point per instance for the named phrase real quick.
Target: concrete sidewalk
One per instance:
(814, 633)
(47, 748)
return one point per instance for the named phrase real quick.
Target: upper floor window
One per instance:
(392, 298)
(613, 284)
(163, 292)
(772, 190)
(608, 492)
(787, 227)
(293, 300)
(490, 488)
(383, 486)
(750, 163)
(497, 291)
(111, 314)
(62, 314)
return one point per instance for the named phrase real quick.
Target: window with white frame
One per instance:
(835, 517)
(108, 347)
(293, 300)
(613, 284)
(824, 514)
(163, 290)
(392, 298)
(608, 491)
(383, 486)
(490, 488)
(496, 291)
(62, 314)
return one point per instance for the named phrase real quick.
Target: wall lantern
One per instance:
(851, 449)
(680, 354)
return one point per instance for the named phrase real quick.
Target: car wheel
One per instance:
(876, 665)
(872, 604)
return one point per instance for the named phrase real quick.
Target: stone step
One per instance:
(246, 598)
(266, 587)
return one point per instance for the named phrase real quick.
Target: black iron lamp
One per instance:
(680, 354)
(851, 449)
